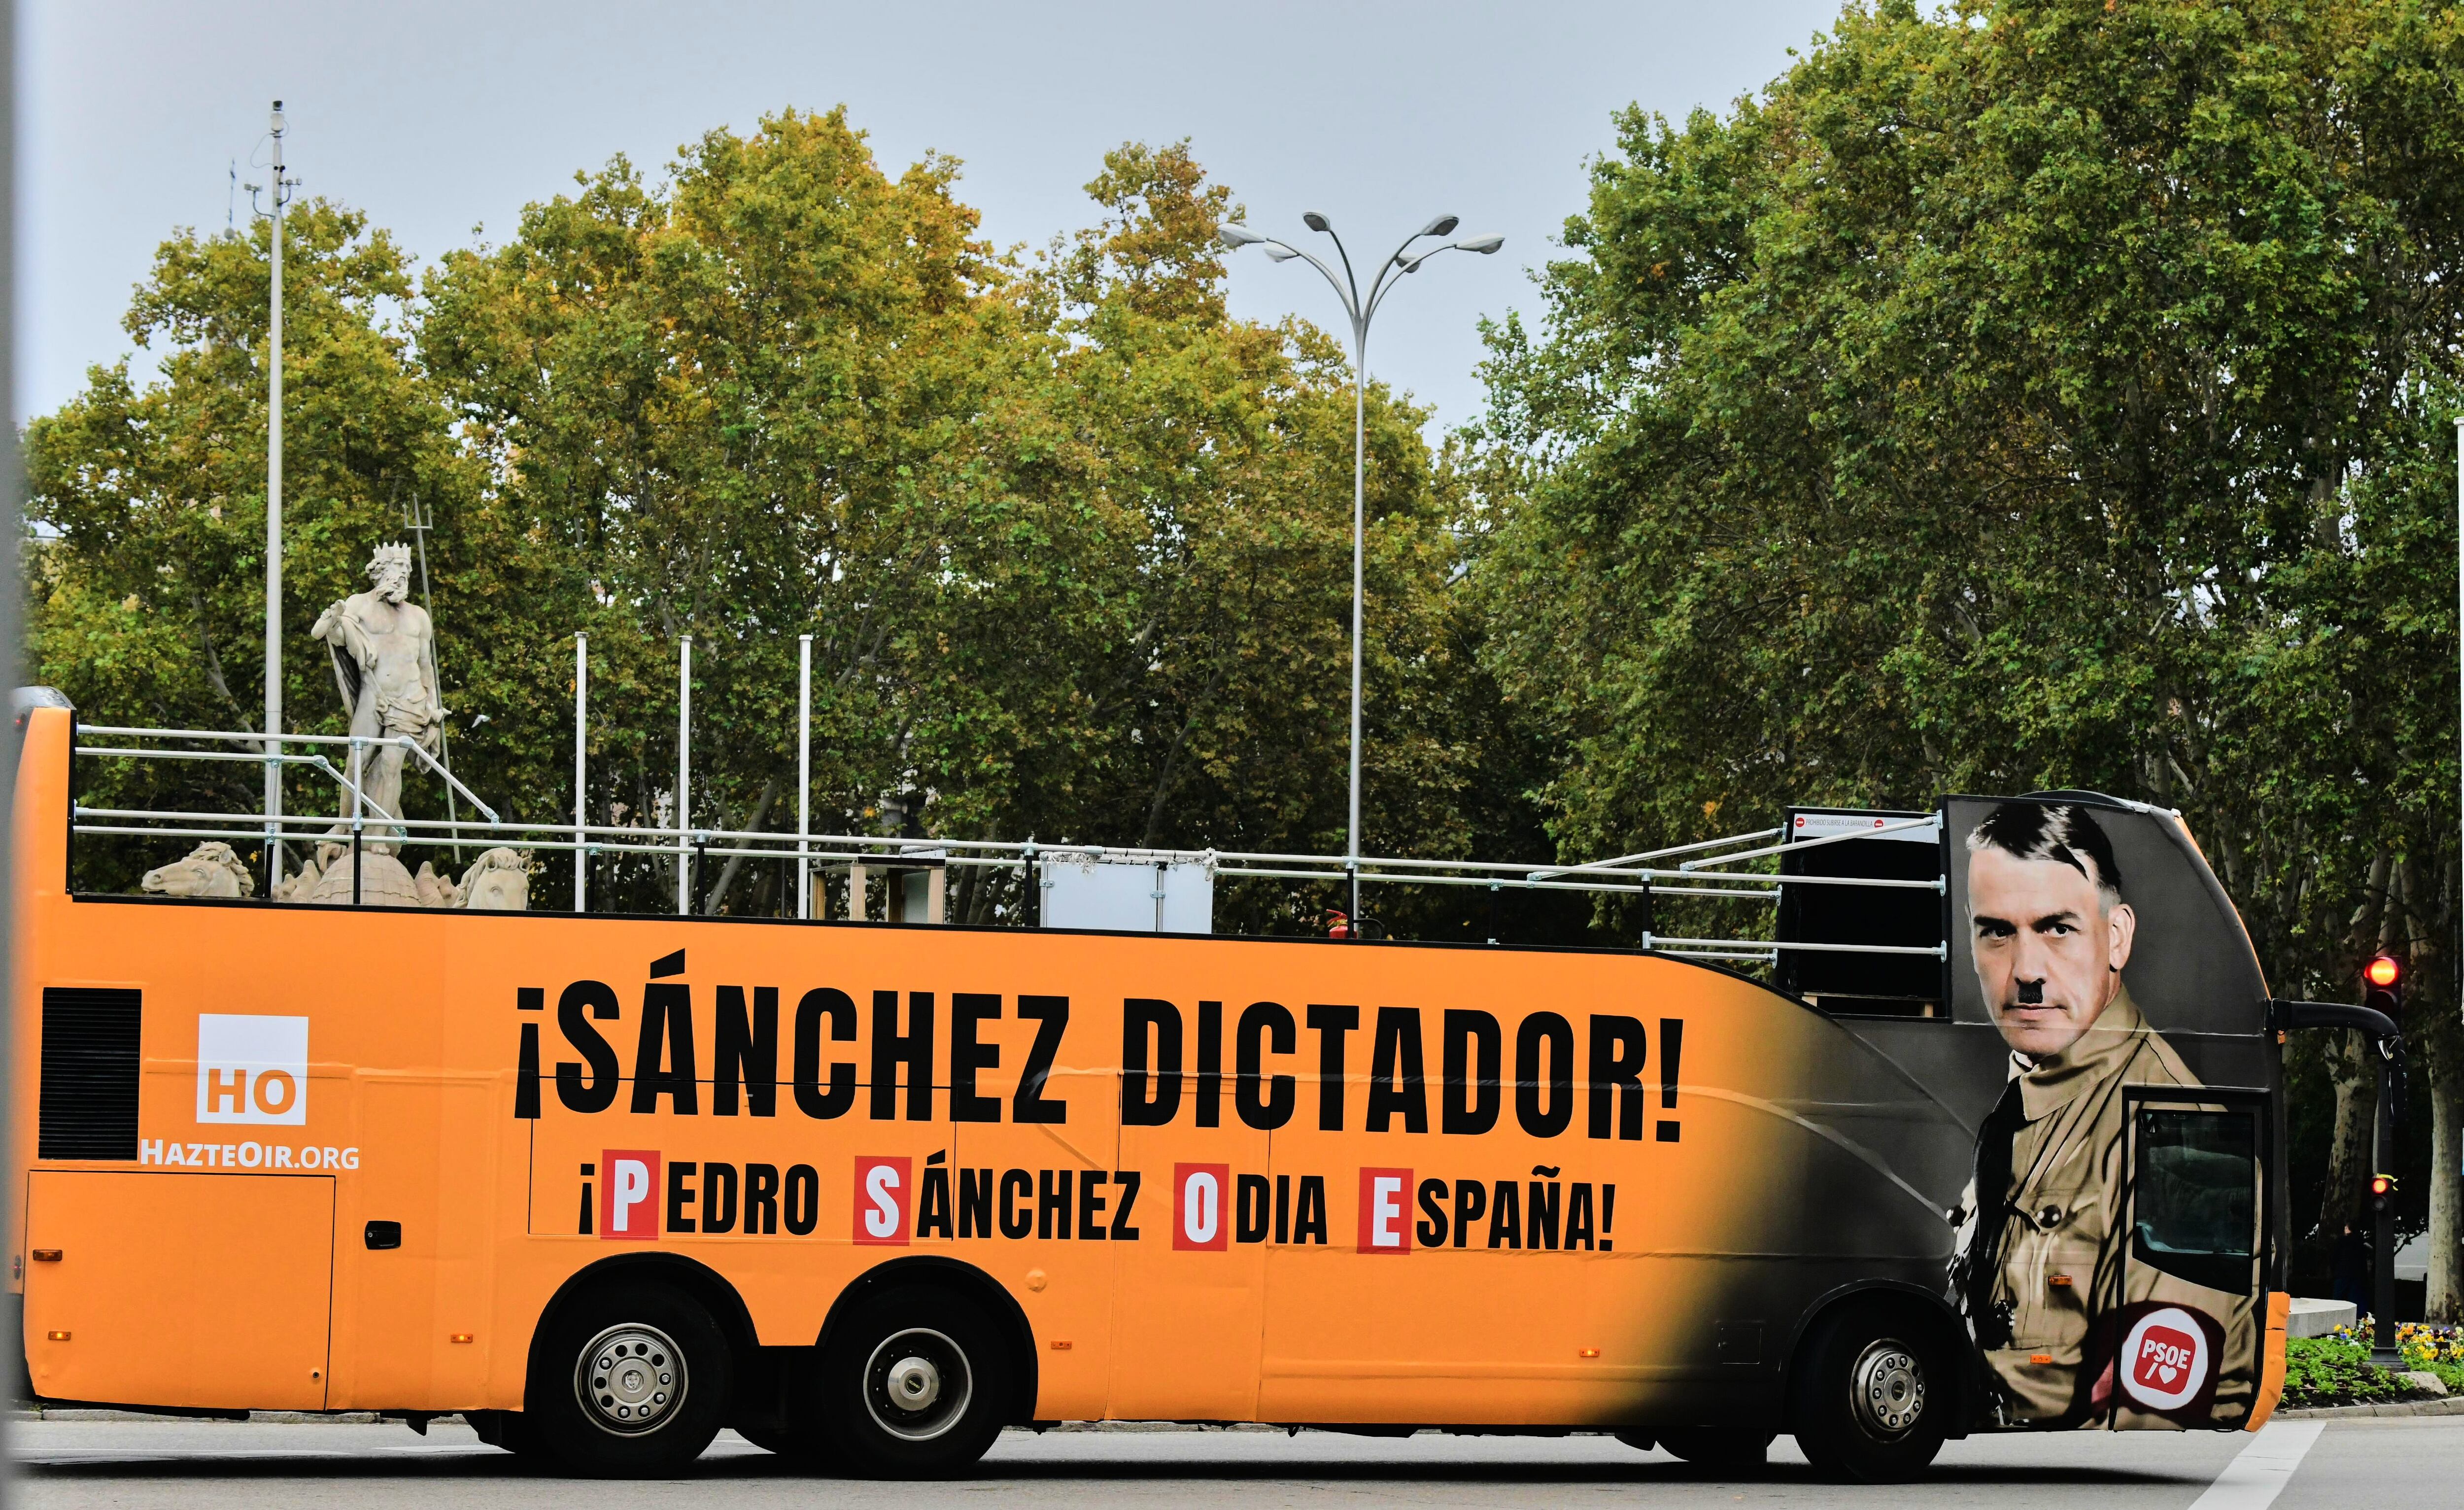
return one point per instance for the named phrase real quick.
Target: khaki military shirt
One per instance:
(2064, 1238)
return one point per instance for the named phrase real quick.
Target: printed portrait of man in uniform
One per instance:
(2042, 1257)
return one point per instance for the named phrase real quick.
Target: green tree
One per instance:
(2026, 395)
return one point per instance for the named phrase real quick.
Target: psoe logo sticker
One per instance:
(252, 1070)
(2164, 1359)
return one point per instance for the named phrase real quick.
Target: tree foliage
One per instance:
(2044, 394)
(1071, 544)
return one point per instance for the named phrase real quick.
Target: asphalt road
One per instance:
(143, 1463)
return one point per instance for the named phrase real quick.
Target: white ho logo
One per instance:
(252, 1070)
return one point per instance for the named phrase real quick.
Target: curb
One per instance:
(2395, 1407)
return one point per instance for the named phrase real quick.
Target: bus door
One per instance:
(2185, 1342)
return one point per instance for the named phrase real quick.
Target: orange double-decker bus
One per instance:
(1995, 1146)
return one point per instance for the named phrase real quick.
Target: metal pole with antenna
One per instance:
(273, 532)
(580, 768)
(803, 773)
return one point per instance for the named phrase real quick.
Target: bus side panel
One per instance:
(413, 1323)
(1636, 1236)
(1194, 1284)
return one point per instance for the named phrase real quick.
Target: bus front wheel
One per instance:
(914, 1385)
(1872, 1395)
(636, 1382)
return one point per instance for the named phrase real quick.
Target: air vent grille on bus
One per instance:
(90, 1064)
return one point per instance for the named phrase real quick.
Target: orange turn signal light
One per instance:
(464, 1337)
(1587, 1352)
(2040, 1358)
(1060, 1347)
(58, 1337)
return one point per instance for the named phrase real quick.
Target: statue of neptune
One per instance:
(380, 646)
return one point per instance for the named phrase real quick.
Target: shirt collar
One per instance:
(2056, 1080)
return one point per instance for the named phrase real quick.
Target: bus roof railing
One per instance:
(1624, 875)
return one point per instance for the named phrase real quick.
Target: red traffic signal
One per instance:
(2382, 1185)
(2384, 972)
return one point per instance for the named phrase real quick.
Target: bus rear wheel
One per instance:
(1872, 1396)
(635, 1384)
(914, 1385)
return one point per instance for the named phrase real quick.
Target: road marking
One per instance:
(2260, 1471)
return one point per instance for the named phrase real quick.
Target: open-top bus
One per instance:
(1996, 1144)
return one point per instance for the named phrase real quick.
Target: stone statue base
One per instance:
(497, 881)
(382, 882)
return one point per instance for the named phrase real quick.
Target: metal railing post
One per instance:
(684, 775)
(359, 816)
(581, 770)
(804, 775)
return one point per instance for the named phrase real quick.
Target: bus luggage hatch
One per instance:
(199, 1290)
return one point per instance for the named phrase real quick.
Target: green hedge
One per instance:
(2335, 1370)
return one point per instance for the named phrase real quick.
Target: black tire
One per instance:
(1873, 1395)
(634, 1379)
(915, 1384)
(1727, 1447)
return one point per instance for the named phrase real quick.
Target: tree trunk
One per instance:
(735, 866)
(2348, 1157)
(2356, 1077)
(2445, 1301)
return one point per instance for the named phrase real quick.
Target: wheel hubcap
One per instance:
(630, 1379)
(1886, 1389)
(917, 1384)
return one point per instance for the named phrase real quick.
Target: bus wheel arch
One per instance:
(698, 1280)
(1889, 1341)
(968, 1281)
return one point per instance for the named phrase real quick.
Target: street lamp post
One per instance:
(1359, 310)
(281, 196)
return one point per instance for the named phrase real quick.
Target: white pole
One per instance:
(580, 768)
(803, 773)
(274, 539)
(1359, 518)
(684, 775)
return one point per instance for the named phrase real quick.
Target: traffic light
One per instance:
(2382, 1189)
(2384, 979)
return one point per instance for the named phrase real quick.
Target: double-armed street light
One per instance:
(1360, 310)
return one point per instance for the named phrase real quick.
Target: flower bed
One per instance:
(2335, 1370)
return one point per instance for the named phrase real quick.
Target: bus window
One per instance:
(2195, 1197)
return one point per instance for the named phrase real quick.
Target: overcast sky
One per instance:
(443, 116)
